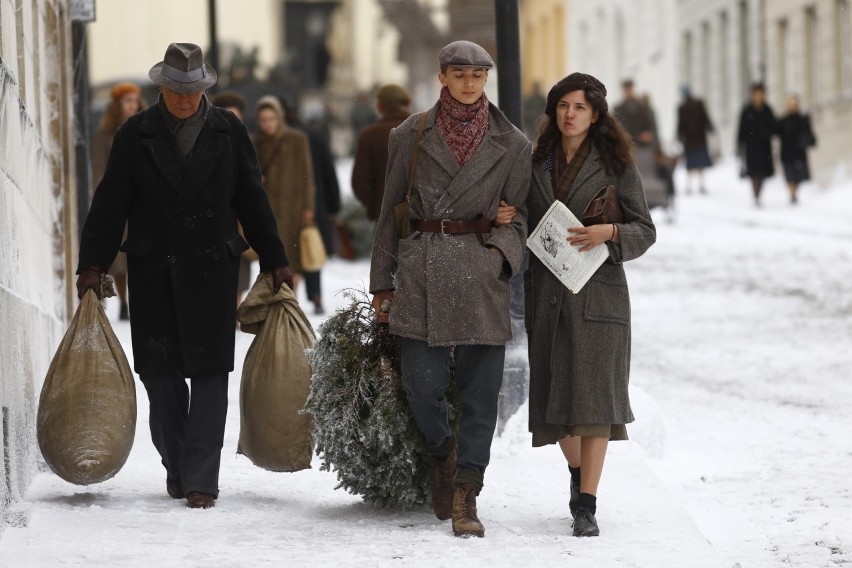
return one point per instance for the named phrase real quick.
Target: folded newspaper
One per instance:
(549, 242)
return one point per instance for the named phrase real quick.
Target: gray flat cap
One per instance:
(465, 54)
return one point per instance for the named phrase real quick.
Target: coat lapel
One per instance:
(587, 184)
(161, 147)
(434, 146)
(203, 159)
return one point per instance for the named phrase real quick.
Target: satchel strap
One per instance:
(420, 128)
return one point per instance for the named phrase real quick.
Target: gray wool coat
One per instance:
(452, 289)
(579, 344)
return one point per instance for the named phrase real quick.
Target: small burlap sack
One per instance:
(87, 409)
(274, 434)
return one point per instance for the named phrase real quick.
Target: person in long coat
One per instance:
(579, 344)
(693, 124)
(371, 151)
(288, 176)
(446, 287)
(181, 174)
(796, 137)
(125, 101)
(754, 136)
(327, 191)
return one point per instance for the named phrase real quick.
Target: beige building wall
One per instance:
(365, 47)
(637, 39)
(37, 223)
(544, 42)
(721, 47)
(130, 36)
(809, 53)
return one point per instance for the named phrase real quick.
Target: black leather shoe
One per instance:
(198, 500)
(585, 523)
(574, 503)
(174, 488)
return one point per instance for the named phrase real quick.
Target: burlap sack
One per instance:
(274, 435)
(87, 409)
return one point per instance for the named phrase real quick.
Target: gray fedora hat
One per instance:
(464, 54)
(183, 70)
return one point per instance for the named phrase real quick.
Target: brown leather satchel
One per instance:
(400, 210)
(604, 208)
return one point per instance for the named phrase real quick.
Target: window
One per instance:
(843, 48)
(811, 64)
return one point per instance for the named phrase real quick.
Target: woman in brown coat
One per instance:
(125, 101)
(579, 344)
(285, 162)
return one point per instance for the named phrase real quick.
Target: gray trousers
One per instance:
(188, 433)
(478, 375)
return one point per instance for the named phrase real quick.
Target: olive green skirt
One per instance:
(552, 433)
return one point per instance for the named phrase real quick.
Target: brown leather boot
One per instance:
(465, 521)
(443, 485)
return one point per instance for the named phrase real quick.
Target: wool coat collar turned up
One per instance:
(452, 289)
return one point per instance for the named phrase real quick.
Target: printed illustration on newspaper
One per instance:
(549, 243)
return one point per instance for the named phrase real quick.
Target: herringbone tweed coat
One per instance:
(579, 344)
(452, 289)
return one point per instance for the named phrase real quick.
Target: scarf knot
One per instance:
(462, 126)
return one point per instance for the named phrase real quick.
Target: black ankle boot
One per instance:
(585, 523)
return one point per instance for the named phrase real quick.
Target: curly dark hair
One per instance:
(606, 134)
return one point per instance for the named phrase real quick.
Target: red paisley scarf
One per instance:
(462, 126)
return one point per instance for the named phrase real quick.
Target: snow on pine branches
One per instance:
(364, 429)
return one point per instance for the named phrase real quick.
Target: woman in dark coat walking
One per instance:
(796, 137)
(579, 344)
(693, 124)
(754, 137)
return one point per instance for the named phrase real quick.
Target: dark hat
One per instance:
(465, 54)
(183, 70)
(575, 82)
(227, 99)
(390, 95)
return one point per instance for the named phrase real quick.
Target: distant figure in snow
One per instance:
(754, 138)
(796, 137)
(693, 124)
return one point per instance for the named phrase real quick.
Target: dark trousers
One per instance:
(478, 375)
(188, 432)
(313, 286)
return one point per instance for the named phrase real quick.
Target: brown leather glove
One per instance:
(89, 279)
(281, 275)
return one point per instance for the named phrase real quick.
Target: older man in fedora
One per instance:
(181, 174)
(447, 284)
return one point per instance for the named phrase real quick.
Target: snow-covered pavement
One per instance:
(740, 455)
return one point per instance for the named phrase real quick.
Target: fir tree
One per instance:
(364, 429)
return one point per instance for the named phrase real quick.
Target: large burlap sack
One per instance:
(274, 434)
(87, 409)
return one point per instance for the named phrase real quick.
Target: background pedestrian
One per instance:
(796, 137)
(754, 137)
(693, 124)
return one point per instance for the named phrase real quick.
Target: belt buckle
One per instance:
(442, 226)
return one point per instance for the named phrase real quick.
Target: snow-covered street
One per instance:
(740, 456)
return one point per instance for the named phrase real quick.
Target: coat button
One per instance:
(171, 258)
(209, 213)
(553, 300)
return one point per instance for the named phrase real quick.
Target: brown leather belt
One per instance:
(449, 227)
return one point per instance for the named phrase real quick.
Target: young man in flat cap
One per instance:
(371, 153)
(181, 174)
(447, 285)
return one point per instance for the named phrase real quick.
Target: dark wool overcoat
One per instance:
(579, 344)
(452, 289)
(754, 135)
(796, 137)
(371, 162)
(183, 246)
(693, 124)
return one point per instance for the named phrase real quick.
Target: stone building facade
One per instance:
(37, 222)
